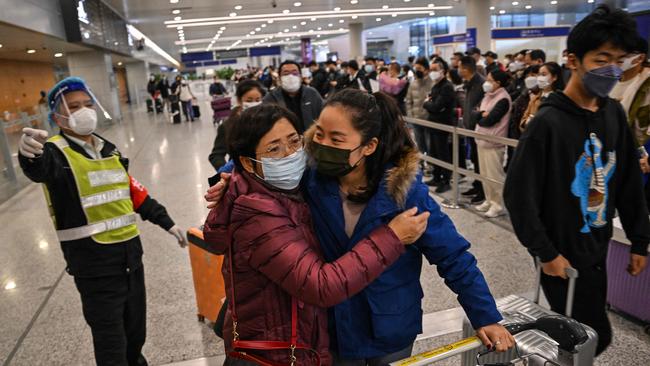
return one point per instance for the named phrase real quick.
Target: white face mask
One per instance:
(83, 122)
(291, 83)
(565, 59)
(531, 82)
(435, 75)
(247, 105)
(488, 87)
(627, 62)
(515, 66)
(543, 81)
(284, 173)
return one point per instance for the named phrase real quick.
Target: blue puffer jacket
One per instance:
(387, 315)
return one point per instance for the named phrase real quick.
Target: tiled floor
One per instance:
(41, 318)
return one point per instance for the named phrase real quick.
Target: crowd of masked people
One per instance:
(320, 233)
(473, 90)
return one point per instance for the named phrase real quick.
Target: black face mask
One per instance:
(419, 74)
(332, 161)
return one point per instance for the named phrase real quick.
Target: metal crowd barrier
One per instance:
(455, 168)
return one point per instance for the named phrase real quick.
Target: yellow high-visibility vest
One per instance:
(105, 196)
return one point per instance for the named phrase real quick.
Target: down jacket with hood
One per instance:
(277, 256)
(387, 315)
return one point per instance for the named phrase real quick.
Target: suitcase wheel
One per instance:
(201, 318)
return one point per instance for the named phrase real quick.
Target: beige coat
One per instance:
(418, 92)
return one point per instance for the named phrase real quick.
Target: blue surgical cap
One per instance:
(62, 88)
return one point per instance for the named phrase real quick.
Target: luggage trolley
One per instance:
(543, 337)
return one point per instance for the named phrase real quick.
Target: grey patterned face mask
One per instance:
(600, 81)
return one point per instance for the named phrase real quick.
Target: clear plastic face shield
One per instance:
(94, 99)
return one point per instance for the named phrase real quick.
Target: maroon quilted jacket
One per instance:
(276, 256)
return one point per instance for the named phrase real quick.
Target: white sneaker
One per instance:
(495, 211)
(483, 206)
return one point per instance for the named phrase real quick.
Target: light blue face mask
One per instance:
(284, 173)
(369, 68)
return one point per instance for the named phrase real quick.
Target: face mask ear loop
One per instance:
(69, 116)
(106, 115)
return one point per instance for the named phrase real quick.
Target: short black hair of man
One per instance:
(423, 62)
(538, 55)
(353, 64)
(288, 62)
(468, 62)
(602, 26)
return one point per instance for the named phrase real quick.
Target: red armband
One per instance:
(138, 193)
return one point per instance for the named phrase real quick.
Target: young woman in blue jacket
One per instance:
(365, 173)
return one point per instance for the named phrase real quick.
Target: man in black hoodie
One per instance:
(575, 165)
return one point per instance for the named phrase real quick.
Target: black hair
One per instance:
(406, 68)
(468, 62)
(455, 77)
(501, 77)
(353, 64)
(248, 85)
(288, 62)
(423, 62)
(642, 47)
(245, 132)
(533, 69)
(508, 55)
(538, 55)
(410, 59)
(602, 26)
(523, 52)
(375, 116)
(370, 58)
(43, 93)
(330, 62)
(345, 64)
(556, 71)
(459, 54)
(312, 63)
(442, 63)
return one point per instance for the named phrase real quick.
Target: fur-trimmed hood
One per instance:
(398, 180)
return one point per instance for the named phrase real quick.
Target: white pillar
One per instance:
(478, 17)
(137, 76)
(96, 68)
(357, 48)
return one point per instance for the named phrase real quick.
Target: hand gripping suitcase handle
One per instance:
(571, 273)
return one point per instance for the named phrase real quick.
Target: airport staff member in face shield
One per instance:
(93, 202)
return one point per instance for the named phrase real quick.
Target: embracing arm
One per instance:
(443, 246)
(284, 254)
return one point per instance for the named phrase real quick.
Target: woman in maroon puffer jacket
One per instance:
(275, 254)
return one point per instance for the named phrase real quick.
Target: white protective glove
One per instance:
(179, 234)
(31, 142)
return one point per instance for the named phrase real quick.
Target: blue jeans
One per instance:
(187, 110)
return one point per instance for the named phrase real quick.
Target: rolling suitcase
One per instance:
(568, 334)
(176, 112)
(516, 309)
(543, 337)
(149, 105)
(208, 281)
(159, 106)
(221, 108)
(196, 111)
(627, 294)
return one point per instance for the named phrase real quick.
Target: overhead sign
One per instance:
(509, 33)
(265, 51)
(449, 38)
(240, 52)
(93, 23)
(197, 56)
(470, 37)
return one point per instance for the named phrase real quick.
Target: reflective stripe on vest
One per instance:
(104, 192)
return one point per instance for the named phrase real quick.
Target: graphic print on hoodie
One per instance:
(591, 183)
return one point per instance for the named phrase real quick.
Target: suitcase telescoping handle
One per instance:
(571, 273)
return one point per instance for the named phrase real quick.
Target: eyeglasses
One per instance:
(280, 150)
